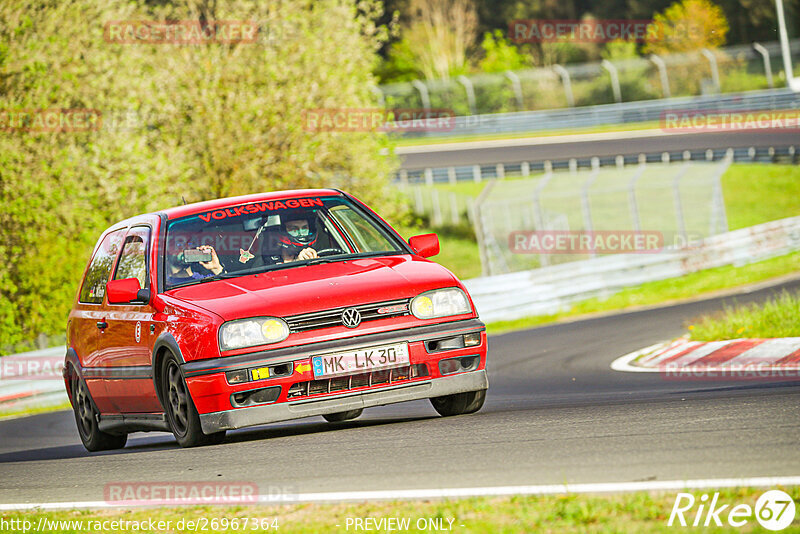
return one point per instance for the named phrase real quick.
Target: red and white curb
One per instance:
(729, 356)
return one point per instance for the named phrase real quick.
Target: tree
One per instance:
(439, 35)
(208, 120)
(688, 25)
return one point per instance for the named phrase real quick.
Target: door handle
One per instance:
(102, 325)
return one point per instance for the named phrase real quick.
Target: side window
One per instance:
(94, 285)
(133, 259)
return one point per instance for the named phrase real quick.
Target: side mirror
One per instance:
(426, 245)
(124, 291)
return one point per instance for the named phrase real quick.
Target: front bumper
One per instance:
(302, 394)
(272, 413)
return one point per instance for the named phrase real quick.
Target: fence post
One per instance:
(538, 217)
(564, 74)
(404, 177)
(676, 194)
(761, 49)
(423, 93)
(712, 60)
(612, 71)
(634, 205)
(454, 215)
(476, 173)
(437, 208)
(517, 86)
(428, 176)
(419, 207)
(451, 175)
(480, 230)
(467, 83)
(719, 218)
(585, 204)
(662, 73)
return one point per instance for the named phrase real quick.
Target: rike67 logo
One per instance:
(774, 510)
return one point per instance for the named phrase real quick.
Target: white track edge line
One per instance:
(493, 491)
(623, 363)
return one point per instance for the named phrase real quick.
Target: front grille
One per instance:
(345, 383)
(333, 317)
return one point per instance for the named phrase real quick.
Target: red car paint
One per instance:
(115, 347)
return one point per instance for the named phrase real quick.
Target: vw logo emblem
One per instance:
(351, 318)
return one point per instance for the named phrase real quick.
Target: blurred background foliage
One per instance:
(194, 122)
(189, 122)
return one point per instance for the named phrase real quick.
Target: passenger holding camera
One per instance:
(180, 264)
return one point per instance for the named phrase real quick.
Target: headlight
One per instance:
(440, 303)
(251, 332)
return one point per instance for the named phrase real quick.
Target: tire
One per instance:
(182, 415)
(342, 416)
(86, 419)
(459, 403)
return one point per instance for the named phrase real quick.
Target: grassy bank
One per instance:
(777, 317)
(627, 512)
(664, 291)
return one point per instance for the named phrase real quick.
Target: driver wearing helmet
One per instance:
(297, 236)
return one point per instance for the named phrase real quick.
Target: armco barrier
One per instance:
(552, 289)
(622, 113)
(32, 380)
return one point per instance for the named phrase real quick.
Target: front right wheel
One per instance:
(182, 415)
(459, 403)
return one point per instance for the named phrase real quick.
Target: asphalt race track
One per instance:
(433, 156)
(555, 413)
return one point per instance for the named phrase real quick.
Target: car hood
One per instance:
(318, 287)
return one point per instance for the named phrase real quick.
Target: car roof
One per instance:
(208, 205)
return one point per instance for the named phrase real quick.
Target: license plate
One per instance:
(360, 360)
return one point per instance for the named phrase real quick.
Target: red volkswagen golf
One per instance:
(262, 308)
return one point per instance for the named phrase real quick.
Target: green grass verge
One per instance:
(662, 291)
(628, 127)
(756, 192)
(12, 413)
(625, 512)
(776, 317)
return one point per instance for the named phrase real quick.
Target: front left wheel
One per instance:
(182, 415)
(86, 413)
(459, 403)
(342, 416)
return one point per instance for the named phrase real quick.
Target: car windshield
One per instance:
(265, 235)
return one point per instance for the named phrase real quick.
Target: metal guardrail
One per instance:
(32, 379)
(551, 289)
(478, 173)
(621, 113)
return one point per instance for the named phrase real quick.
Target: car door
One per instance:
(127, 342)
(88, 318)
